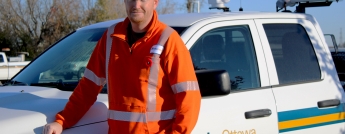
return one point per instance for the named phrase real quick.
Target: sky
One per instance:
(330, 18)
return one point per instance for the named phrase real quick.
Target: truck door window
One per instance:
(293, 53)
(231, 49)
(1, 59)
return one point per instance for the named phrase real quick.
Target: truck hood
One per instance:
(26, 109)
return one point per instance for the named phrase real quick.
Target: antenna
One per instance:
(241, 9)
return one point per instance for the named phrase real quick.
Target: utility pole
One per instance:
(197, 7)
(341, 38)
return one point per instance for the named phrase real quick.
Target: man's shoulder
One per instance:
(164, 27)
(121, 25)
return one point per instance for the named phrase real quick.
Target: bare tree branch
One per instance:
(33, 25)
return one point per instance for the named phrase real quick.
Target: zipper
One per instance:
(135, 43)
(130, 48)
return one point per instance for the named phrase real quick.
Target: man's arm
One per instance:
(85, 94)
(182, 76)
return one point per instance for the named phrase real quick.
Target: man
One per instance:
(152, 86)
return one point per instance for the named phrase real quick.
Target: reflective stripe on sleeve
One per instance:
(153, 80)
(185, 86)
(165, 36)
(140, 117)
(94, 78)
(154, 70)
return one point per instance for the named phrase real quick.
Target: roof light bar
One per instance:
(219, 4)
(302, 4)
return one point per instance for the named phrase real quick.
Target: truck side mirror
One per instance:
(213, 82)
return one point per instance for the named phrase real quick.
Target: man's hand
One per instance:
(52, 128)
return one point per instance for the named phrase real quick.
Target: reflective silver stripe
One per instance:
(163, 115)
(141, 117)
(126, 116)
(165, 35)
(154, 70)
(153, 80)
(94, 78)
(108, 49)
(185, 86)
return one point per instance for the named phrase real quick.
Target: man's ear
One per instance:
(155, 3)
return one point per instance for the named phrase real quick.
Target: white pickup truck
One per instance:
(8, 68)
(259, 73)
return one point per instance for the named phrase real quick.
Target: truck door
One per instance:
(307, 92)
(233, 46)
(3, 68)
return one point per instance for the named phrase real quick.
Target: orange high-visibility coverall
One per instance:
(143, 97)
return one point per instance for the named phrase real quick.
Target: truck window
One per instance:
(293, 53)
(1, 59)
(231, 49)
(64, 63)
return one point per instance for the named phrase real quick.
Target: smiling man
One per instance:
(152, 86)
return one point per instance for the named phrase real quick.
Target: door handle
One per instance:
(328, 103)
(257, 113)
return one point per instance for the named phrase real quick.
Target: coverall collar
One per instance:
(121, 32)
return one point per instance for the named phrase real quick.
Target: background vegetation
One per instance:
(33, 25)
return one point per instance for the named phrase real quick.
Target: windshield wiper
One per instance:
(65, 86)
(15, 83)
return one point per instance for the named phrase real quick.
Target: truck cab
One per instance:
(281, 73)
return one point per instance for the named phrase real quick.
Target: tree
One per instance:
(34, 25)
(167, 7)
(107, 10)
(113, 9)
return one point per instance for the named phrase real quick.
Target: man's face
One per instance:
(140, 10)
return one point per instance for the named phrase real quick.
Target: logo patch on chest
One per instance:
(156, 49)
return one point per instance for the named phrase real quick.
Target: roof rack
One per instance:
(302, 4)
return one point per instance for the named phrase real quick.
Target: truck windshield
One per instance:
(62, 65)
